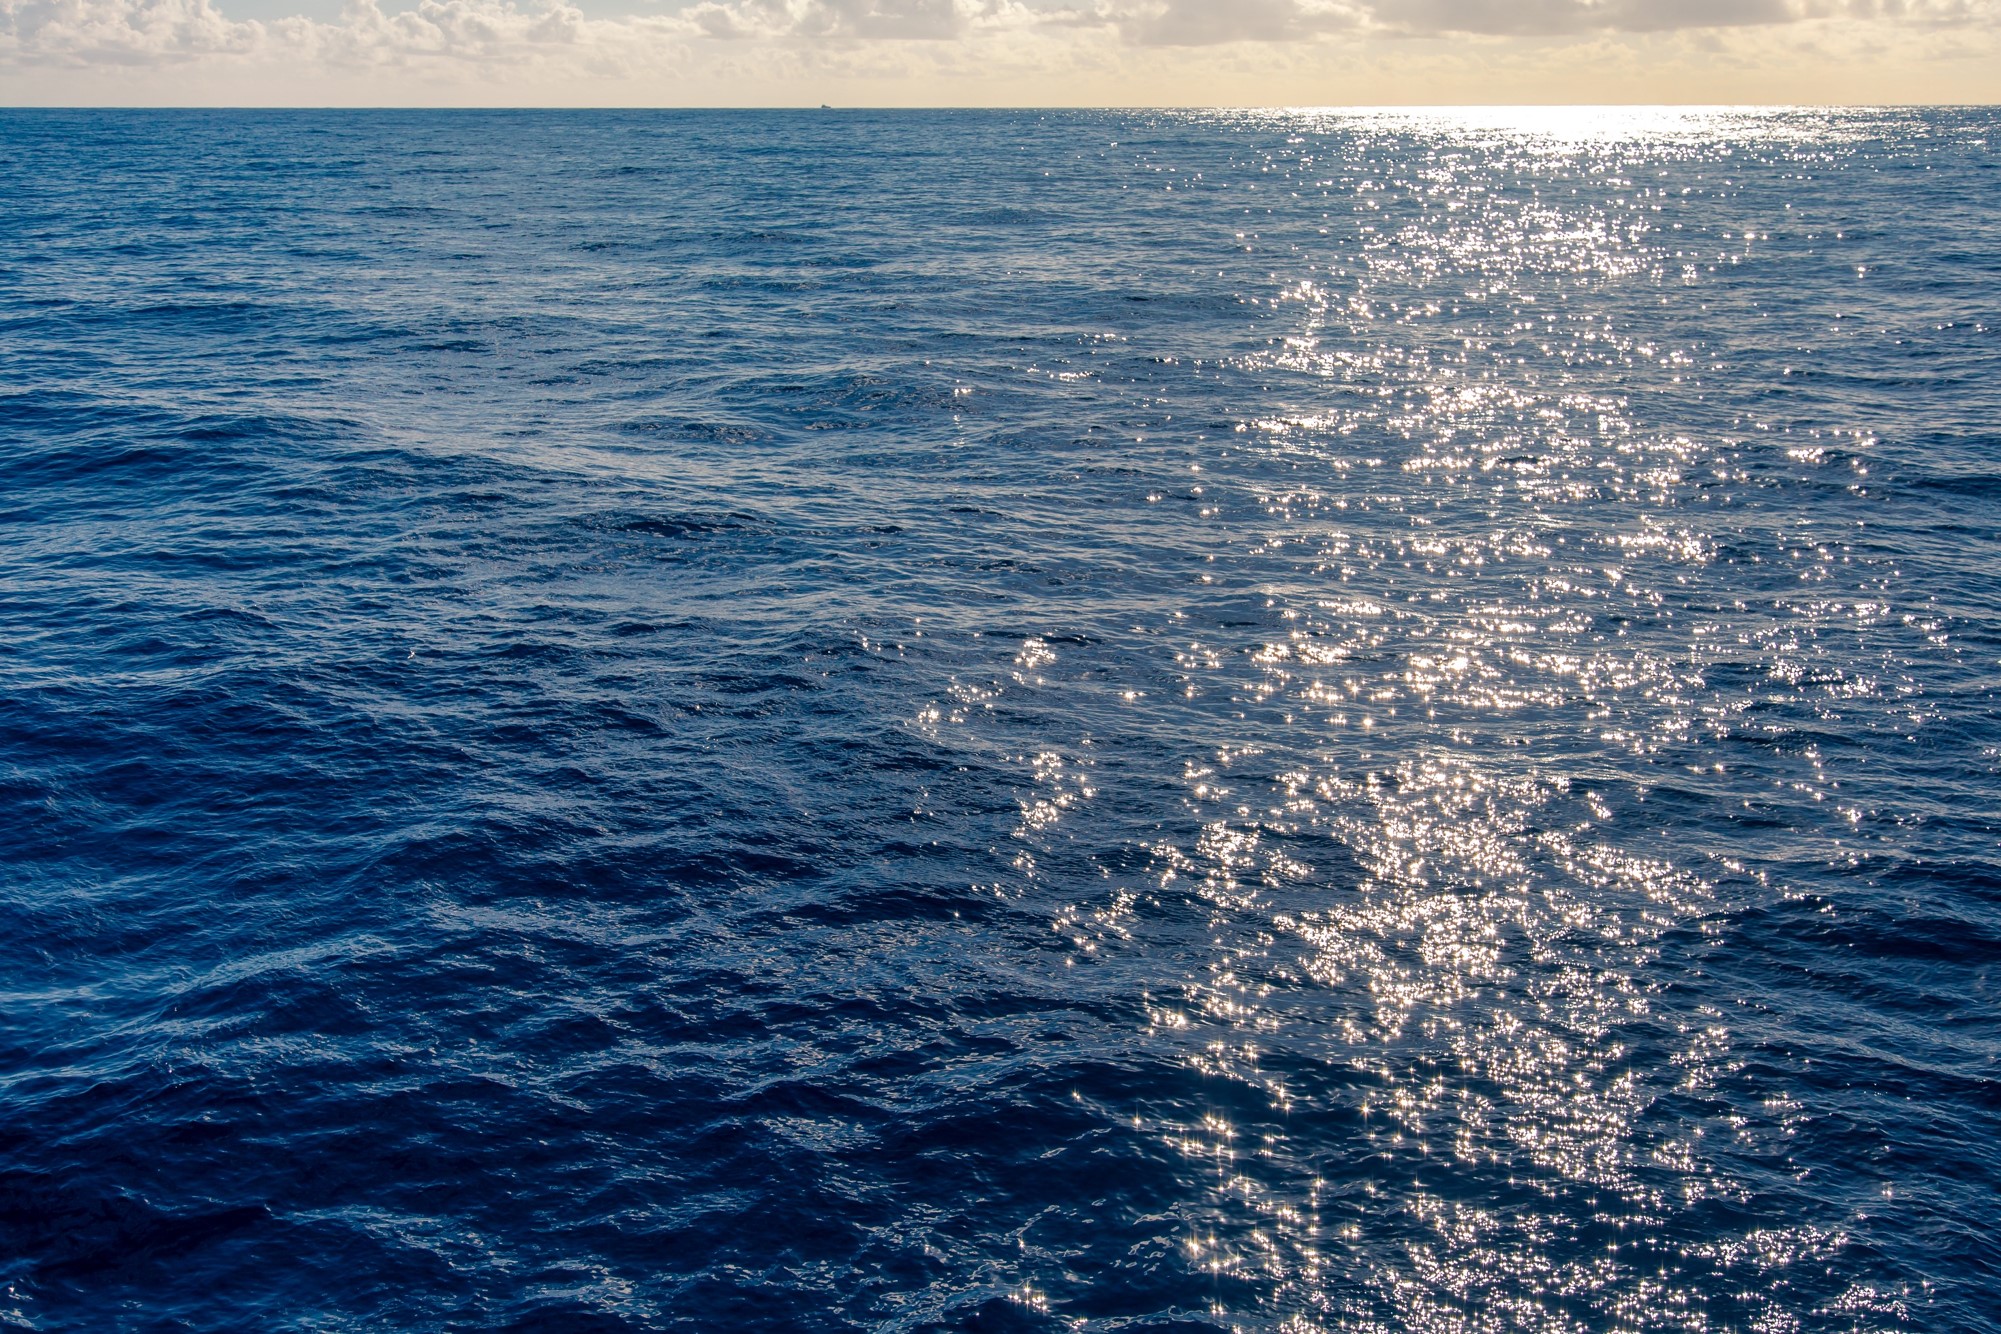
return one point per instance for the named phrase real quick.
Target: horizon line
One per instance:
(1018, 107)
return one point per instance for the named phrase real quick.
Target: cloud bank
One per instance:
(1095, 50)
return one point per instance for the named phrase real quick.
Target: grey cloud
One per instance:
(1524, 18)
(1922, 13)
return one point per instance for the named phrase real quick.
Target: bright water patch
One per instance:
(1000, 721)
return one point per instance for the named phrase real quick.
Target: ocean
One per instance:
(1015, 721)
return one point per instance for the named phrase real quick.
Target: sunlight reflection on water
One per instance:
(1502, 574)
(1282, 720)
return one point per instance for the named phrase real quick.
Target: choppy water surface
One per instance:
(1005, 721)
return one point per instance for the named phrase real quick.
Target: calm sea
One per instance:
(1005, 721)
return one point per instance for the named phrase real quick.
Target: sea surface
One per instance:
(1270, 721)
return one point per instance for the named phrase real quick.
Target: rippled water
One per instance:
(1000, 721)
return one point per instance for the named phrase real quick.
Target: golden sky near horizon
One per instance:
(998, 52)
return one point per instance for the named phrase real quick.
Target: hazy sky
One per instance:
(997, 52)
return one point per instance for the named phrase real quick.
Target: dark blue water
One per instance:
(1000, 721)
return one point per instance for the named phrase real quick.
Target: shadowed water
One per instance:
(1000, 721)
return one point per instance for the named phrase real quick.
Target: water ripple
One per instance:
(1290, 721)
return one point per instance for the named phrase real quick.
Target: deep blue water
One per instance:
(1000, 721)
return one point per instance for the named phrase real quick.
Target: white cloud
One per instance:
(475, 30)
(1206, 22)
(120, 32)
(905, 20)
(1550, 17)
(1048, 51)
(82, 32)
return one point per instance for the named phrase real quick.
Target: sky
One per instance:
(996, 52)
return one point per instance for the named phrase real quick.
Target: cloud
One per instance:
(1518, 18)
(1066, 50)
(83, 32)
(154, 32)
(1212, 22)
(121, 32)
(1206, 22)
(896, 20)
(470, 30)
